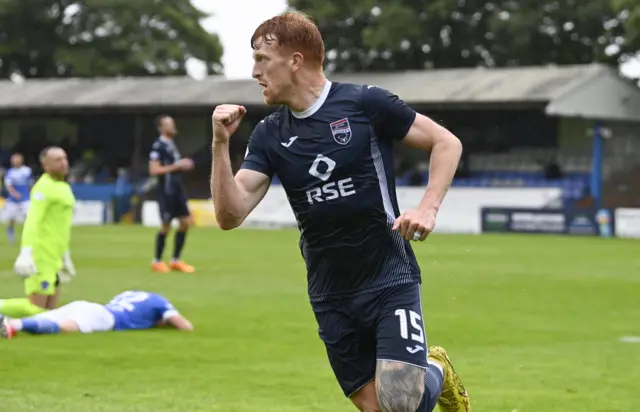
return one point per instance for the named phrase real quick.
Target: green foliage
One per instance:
(415, 34)
(629, 10)
(86, 38)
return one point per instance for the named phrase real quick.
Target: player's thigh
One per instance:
(351, 352)
(57, 315)
(400, 333)
(181, 209)
(42, 283)
(165, 209)
(90, 317)
(10, 212)
(24, 209)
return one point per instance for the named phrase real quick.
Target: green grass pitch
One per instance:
(532, 323)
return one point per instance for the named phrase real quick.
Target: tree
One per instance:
(87, 38)
(416, 34)
(629, 12)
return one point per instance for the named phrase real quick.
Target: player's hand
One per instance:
(416, 224)
(64, 277)
(24, 265)
(185, 164)
(68, 271)
(226, 119)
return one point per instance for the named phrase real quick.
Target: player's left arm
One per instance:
(31, 181)
(171, 317)
(445, 148)
(393, 118)
(179, 322)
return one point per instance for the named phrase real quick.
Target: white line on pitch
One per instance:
(630, 339)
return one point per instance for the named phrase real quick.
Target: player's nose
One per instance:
(255, 73)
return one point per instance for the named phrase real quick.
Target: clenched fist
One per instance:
(226, 119)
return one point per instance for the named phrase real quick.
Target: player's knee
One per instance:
(366, 399)
(400, 387)
(184, 223)
(68, 326)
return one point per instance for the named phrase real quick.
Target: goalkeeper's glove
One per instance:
(68, 271)
(24, 265)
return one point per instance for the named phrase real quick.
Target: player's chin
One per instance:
(268, 100)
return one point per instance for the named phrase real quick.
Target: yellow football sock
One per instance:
(19, 308)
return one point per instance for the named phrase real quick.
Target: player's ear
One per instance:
(297, 59)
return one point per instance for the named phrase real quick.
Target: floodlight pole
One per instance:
(596, 165)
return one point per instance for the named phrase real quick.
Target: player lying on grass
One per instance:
(131, 310)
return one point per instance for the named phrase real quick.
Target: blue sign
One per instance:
(551, 221)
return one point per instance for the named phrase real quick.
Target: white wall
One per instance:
(460, 212)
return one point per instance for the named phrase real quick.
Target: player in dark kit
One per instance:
(165, 163)
(331, 146)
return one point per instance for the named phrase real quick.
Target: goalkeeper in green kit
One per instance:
(44, 261)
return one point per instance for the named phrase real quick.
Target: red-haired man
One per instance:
(331, 145)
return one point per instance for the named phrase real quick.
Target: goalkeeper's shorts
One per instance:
(43, 283)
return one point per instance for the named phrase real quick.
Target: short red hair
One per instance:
(294, 30)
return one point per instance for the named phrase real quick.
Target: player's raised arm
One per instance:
(395, 119)
(233, 198)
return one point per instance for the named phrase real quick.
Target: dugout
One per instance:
(510, 119)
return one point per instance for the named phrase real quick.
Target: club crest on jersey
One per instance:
(341, 131)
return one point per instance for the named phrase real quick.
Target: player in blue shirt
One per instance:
(331, 146)
(130, 310)
(17, 181)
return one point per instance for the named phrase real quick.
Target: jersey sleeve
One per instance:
(256, 157)
(167, 310)
(37, 211)
(156, 151)
(391, 117)
(8, 180)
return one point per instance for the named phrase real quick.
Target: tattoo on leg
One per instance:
(400, 387)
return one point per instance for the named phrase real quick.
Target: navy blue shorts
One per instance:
(172, 206)
(382, 325)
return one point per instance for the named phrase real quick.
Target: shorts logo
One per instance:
(44, 285)
(415, 349)
(341, 131)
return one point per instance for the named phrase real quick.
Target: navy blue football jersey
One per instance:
(335, 163)
(165, 151)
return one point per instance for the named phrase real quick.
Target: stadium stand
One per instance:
(521, 127)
